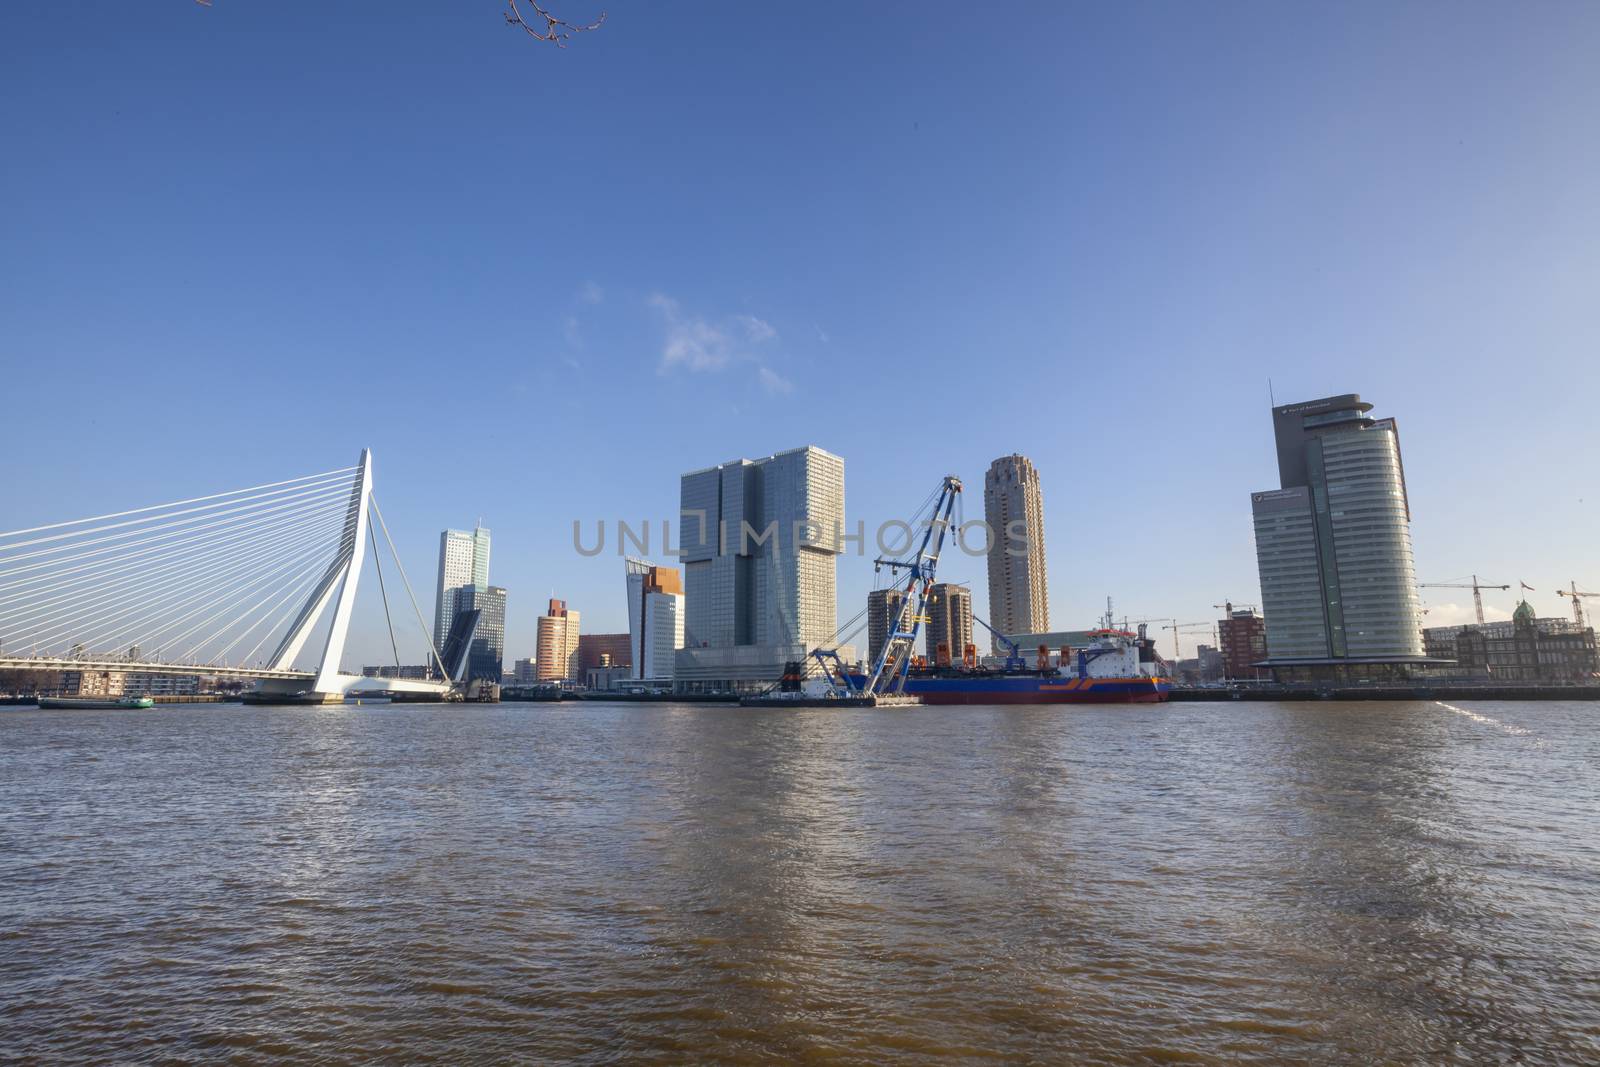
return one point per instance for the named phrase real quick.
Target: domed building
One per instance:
(1526, 649)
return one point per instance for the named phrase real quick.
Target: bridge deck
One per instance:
(47, 663)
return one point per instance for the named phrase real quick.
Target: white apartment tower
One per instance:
(463, 561)
(1014, 508)
(655, 619)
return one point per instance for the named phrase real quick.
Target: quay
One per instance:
(1387, 692)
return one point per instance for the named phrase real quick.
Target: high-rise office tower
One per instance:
(463, 561)
(760, 541)
(1333, 544)
(883, 611)
(655, 618)
(556, 644)
(1014, 508)
(949, 620)
(486, 656)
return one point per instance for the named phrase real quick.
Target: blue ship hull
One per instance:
(1028, 688)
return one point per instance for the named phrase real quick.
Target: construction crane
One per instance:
(1229, 607)
(1014, 660)
(894, 659)
(1577, 596)
(1177, 626)
(1476, 586)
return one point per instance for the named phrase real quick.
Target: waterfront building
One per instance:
(485, 656)
(883, 610)
(556, 644)
(607, 677)
(603, 650)
(1243, 637)
(1333, 547)
(759, 541)
(1013, 506)
(463, 561)
(1207, 665)
(525, 671)
(115, 683)
(656, 619)
(1523, 649)
(949, 620)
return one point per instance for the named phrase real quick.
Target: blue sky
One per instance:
(243, 242)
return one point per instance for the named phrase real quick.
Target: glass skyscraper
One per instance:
(463, 561)
(1333, 544)
(759, 541)
(486, 657)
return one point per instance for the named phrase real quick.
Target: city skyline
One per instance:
(1116, 316)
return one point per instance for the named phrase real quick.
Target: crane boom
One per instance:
(894, 659)
(1476, 586)
(1577, 596)
(1013, 651)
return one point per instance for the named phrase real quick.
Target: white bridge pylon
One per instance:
(200, 586)
(341, 577)
(339, 583)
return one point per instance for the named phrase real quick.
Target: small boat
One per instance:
(97, 703)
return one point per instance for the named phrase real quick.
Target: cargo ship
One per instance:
(139, 703)
(1115, 667)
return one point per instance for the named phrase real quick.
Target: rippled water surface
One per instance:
(1193, 883)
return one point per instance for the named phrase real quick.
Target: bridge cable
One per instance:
(175, 503)
(373, 500)
(376, 562)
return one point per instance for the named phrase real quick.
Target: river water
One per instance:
(1189, 883)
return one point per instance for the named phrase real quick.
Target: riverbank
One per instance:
(1390, 692)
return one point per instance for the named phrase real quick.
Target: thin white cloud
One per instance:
(569, 330)
(691, 342)
(774, 383)
(822, 335)
(698, 344)
(756, 329)
(591, 293)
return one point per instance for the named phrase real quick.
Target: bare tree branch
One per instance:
(557, 31)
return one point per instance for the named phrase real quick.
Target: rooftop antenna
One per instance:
(1270, 394)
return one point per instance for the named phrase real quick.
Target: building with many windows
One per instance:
(114, 683)
(759, 543)
(463, 561)
(1243, 637)
(1013, 506)
(949, 623)
(486, 656)
(883, 611)
(655, 620)
(1333, 547)
(556, 644)
(1525, 648)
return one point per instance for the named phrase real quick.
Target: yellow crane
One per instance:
(1476, 586)
(1177, 626)
(1577, 596)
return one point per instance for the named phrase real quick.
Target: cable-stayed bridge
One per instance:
(233, 584)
